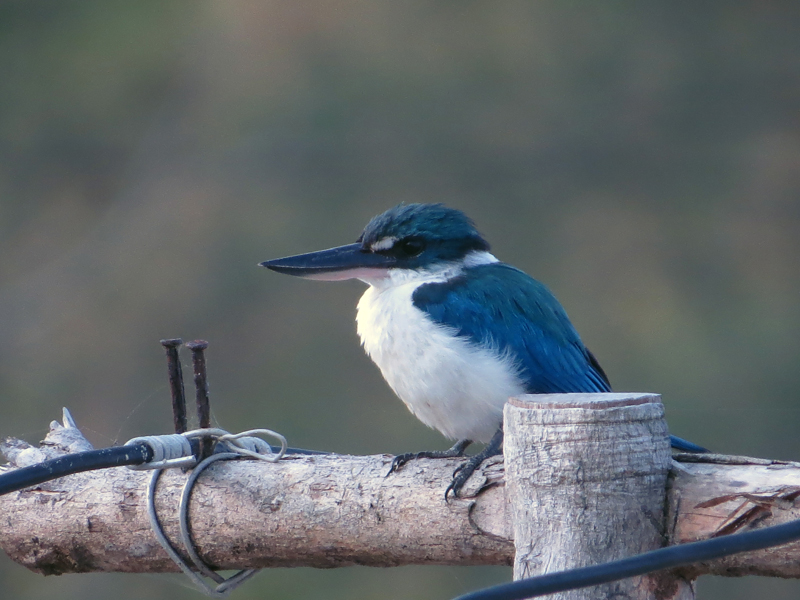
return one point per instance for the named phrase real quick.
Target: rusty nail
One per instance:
(201, 390)
(176, 383)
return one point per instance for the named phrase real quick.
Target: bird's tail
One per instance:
(684, 446)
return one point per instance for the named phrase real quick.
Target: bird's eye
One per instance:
(411, 247)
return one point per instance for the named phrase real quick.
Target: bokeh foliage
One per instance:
(643, 159)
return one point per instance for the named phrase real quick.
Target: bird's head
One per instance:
(412, 237)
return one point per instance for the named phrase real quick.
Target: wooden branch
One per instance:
(330, 511)
(320, 511)
(728, 494)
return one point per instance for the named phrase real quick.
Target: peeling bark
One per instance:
(730, 494)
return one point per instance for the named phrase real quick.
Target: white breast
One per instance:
(446, 381)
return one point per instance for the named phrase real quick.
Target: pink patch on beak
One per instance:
(363, 273)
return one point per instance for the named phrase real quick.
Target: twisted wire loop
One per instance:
(170, 452)
(245, 443)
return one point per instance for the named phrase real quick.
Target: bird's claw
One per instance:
(454, 487)
(461, 467)
(461, 475)
(401, 459)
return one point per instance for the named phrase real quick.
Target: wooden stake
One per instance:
(586, 481)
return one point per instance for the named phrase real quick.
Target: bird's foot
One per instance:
(462, 474)
(454, 452)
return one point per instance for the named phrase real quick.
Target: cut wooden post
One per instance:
(586, 481)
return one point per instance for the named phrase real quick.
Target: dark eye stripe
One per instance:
(411, 246)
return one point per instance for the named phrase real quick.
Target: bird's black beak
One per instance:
(344, 262)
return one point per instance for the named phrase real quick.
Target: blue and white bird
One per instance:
(454, 331)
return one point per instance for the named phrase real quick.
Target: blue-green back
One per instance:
(499, 306)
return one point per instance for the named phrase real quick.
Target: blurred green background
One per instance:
(643, 159)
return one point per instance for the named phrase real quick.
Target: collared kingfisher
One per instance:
(454, 331)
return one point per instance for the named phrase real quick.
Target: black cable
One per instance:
(78, 462)
(655, 560)
(118, 456)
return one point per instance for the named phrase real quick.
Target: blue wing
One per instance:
(499, 306)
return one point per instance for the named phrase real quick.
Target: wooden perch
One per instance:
(328, 511)
(320, 511)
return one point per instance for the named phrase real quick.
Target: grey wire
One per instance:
(225, 585)
(168, 449)
(155, 524)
